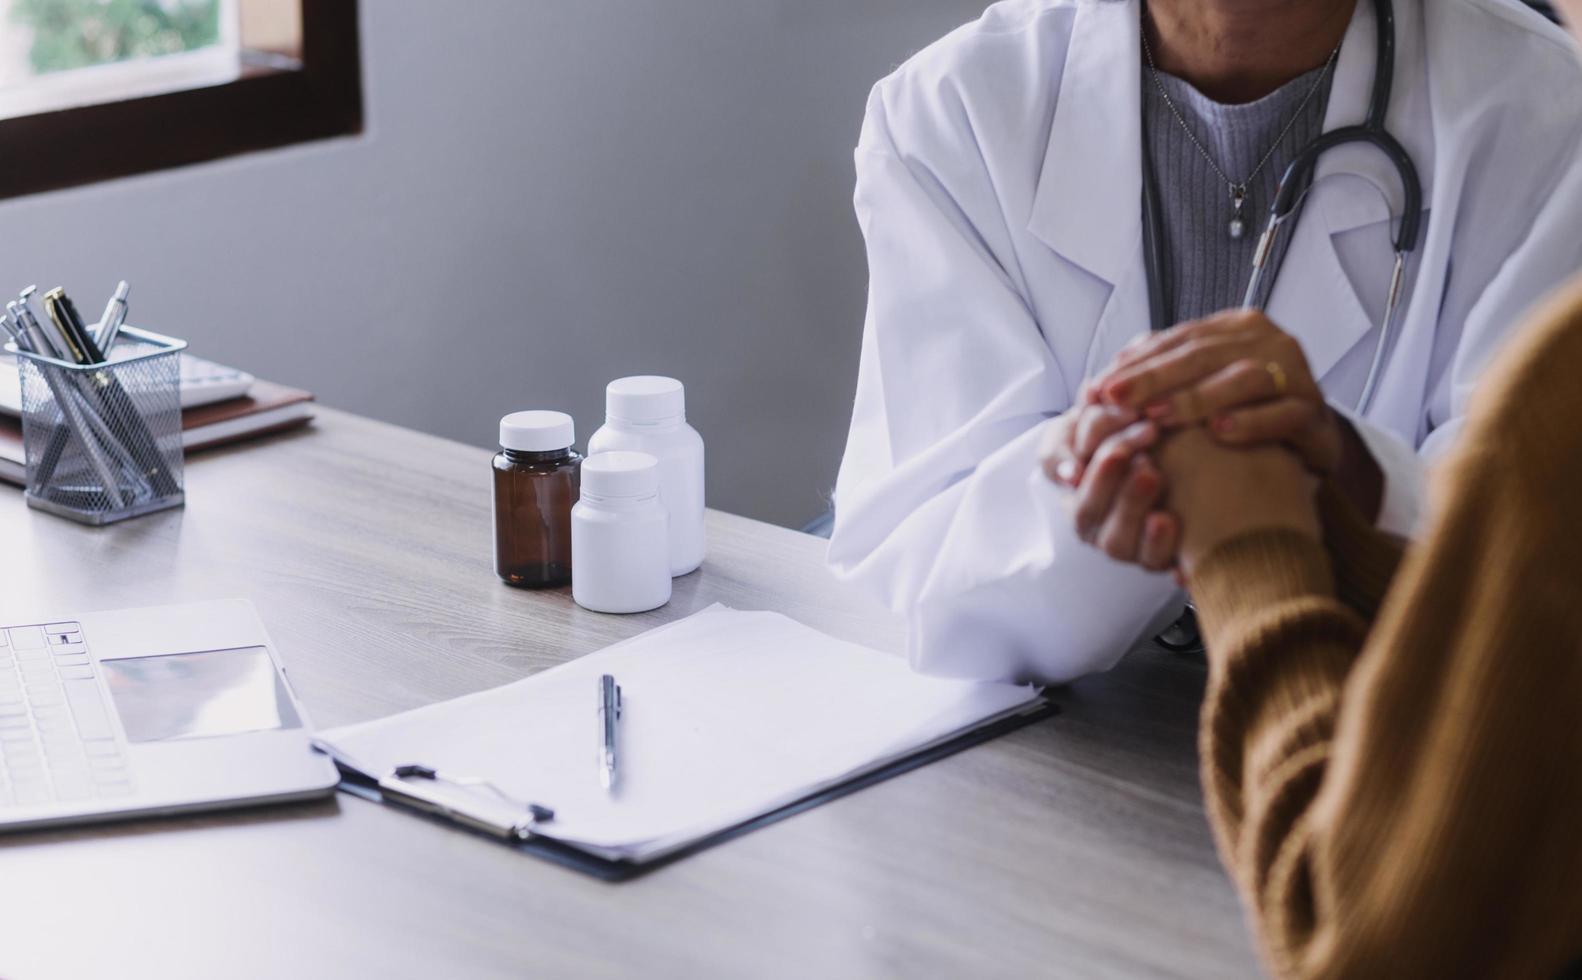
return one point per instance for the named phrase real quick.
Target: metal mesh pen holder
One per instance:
(103, 441)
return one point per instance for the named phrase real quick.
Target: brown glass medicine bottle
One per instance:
(535, 486)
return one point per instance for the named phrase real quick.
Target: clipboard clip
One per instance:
(404, 783)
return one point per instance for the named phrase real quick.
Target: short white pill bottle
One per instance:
(648, 414)
(620, 554)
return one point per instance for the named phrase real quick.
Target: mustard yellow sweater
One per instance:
(1392, 748)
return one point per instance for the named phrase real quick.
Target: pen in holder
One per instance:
(103, 441)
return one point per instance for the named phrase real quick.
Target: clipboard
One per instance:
(356, 783)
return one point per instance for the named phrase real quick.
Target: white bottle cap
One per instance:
(536, 432)
(620, 474)
(645, 399)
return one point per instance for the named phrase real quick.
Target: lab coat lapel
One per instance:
(1314, 299)
(1087, 207)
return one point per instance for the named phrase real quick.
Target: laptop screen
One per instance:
(198, 695)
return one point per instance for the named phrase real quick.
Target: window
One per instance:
(94, 89)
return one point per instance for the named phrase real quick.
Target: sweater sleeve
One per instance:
(1364, 557)
(1405, 802)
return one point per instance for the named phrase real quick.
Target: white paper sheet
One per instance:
(727, 715)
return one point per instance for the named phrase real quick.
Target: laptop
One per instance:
(142, 712)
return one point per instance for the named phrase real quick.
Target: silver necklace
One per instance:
(1238, 189)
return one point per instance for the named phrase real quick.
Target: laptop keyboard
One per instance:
(57, 742)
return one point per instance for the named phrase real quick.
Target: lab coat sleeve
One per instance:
(1504, 268)
(941, 511)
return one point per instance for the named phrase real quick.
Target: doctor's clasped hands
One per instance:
(1234, 379)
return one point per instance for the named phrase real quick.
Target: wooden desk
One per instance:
(1077, 847)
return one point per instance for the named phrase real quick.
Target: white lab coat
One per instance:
(998, 188)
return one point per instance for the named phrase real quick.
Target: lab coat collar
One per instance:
(1091, 181)
(1092, 173)
(1409, 119)
(1354, 187)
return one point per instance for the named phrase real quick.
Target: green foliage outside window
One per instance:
(78, 33)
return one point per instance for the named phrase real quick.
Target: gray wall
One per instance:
(549, 194)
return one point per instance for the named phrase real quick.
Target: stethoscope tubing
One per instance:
(1298, 179)
(1294, 185)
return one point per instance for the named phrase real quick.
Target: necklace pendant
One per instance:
(1238, 194)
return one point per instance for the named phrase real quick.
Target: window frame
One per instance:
(263, 109)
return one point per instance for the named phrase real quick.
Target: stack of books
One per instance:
(219, 405)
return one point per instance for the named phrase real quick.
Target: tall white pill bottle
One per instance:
(648, 414)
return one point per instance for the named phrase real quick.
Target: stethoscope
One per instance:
(1286, 207)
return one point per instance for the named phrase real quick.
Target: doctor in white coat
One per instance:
(998, 179)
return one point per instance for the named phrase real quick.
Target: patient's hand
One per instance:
(1220, 492)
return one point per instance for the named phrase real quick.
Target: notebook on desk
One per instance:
(730, 720)
(267, 407)
(202, 383)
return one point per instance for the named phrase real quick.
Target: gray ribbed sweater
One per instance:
(1205, 270)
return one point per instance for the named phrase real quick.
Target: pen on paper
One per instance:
(609, 723)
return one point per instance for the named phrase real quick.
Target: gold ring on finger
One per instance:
(1277, 375)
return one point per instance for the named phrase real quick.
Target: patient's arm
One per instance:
(1403, 800)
